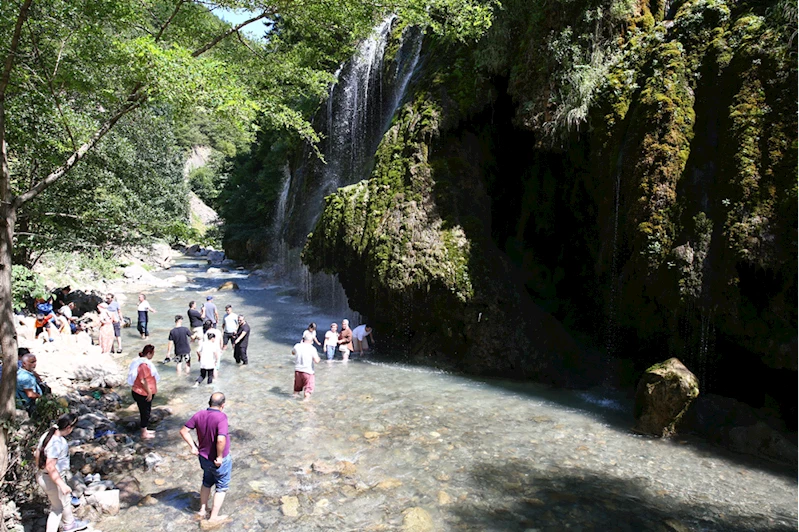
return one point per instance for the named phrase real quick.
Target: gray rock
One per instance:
(152, 460)
(82, 434)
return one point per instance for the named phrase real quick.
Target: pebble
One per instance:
(387, 484)
(289, 506)
(444, 498)
(417, 520)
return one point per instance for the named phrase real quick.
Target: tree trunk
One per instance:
(8, 333)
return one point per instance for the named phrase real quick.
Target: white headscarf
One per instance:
(133, 371)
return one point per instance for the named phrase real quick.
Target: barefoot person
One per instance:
(179, 340)
(241, 342)
(345, 340)
(230, 324)
(331, 341)
(52, 459)
(304, 379)
(208, 357)
(142, 377)
(143, 311)
(195, 321)
(309, 334)
(213, 450)
(359, 335)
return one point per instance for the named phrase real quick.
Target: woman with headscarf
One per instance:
(142, 377)
(106, 328)
(52, 460)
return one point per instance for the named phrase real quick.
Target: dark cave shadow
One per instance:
(524, 498)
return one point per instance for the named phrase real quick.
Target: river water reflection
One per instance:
(382, 446)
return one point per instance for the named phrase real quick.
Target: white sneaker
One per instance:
(76, 525)
(196, 384)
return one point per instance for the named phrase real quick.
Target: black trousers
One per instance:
(145, 407)
(206, 373)
(240, 353)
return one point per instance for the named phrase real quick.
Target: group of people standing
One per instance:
(345, 341)
(305, 355)
(212, 444)
(203, 329)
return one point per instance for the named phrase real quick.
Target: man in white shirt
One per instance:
(230, 324)
(304, 379)
(359, 341)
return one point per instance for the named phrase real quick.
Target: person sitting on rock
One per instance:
(28, 388)
(45, 318)
(67, 319)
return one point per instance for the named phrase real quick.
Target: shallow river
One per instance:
(381, 446)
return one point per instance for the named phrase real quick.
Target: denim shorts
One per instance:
(217, 476)
(330, 351)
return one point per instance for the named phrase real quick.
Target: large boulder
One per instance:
(663, 395)
(228, 285)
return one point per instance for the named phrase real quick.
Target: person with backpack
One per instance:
(52, 459)
(45, 318)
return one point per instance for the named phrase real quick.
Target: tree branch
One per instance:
(49, 81)
(169, 20)
(198, 52)
(247, 46)
(133, 103)
(12, 51)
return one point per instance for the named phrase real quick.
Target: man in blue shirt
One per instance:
(28, 389)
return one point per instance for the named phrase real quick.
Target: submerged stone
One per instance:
(417, 520)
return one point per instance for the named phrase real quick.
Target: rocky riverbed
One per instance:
(105, 449)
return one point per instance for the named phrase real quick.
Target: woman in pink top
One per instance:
(142, 376)
(106, 328)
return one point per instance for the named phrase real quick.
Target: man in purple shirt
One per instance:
(213, 449)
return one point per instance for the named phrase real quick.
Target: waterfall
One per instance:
(361, 103)
(368, 90)
(280, 209)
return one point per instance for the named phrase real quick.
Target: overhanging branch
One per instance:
(229, 32)
(79, 154)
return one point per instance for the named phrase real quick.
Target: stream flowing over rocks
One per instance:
(383, 446)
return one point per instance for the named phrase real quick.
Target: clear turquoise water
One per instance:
(473, 454)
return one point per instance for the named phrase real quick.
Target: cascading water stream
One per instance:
(364, 98)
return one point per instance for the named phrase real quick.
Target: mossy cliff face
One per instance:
(631, 168)
(430, 279)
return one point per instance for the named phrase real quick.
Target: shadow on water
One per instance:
(608, 406)
(526, 498)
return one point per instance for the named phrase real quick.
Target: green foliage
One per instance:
(65, 267)
(26, 285)
(382, 223)
(128, 191)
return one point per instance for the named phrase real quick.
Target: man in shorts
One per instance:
(345, 340)
(230, 324)
(116, 314)
(304, 379)
(213, 451)
(359, 335)
(180, 341)
(195, 321)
